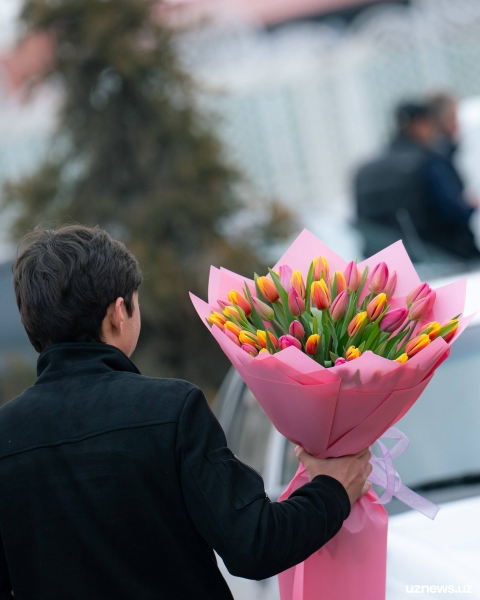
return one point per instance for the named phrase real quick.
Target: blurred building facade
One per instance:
(303, 102)
(303, 93)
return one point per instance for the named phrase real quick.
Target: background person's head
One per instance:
(413, 121)
(443, 108)
(77, 284)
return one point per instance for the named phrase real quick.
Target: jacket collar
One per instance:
(86, 356)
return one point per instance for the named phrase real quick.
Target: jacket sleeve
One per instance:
(226, 500)
(5, 585)
(446, 192)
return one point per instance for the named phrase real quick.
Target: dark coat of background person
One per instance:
(117, 485)
(412, 186)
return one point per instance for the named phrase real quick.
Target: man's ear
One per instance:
(118, 316)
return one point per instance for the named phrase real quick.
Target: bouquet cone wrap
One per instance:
(337, 411)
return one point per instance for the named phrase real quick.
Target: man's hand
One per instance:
(351, 471)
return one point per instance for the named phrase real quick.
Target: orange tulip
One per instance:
(356, 323)
(239, 299)
(320, 268)
(432, 329)
(246, 337)
(297, 283)
(402, 358)
(217, 319)
(418, 343)
(339, 278)
(376, 306)
(352, 353)
(233, 327)
(312, 343)
(264, 351)
(268, 289)
(320, 294)
(449, 336)
(232, 313)
(262, 339)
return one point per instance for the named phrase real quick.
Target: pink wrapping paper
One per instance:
(337, 411)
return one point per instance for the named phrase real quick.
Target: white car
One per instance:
(425, 558)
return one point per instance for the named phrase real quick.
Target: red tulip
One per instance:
(312, 343)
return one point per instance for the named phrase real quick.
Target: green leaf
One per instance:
(446, 329)
(333, 357)
(372, 338)
(362, 282)
(270, 346)
(308, 286)
(352, 306)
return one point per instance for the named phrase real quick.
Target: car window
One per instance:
(249, 431)
(290, 463)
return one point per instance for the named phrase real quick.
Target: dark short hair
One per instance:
(66, 278)
(408, 112)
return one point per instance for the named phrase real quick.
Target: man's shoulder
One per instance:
(47, 413)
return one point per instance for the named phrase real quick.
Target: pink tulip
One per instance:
(421, 308)
(391, 284)
(232, 336)
(285, 276)
(288, 340)
(339, 307)
(378, 278)
(352, 276)
(393, 319)
(297, 330)
(223, 305)
(296, 305)
(417, 294)
(340, 361)
(249, 349)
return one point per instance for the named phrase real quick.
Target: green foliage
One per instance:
(133, 154)
(16, 374)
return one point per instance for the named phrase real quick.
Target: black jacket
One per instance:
(114, 485)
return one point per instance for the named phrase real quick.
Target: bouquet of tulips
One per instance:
(325, 318)
(336, 353)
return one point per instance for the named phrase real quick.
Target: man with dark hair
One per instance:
(412, 192)
(120, 486)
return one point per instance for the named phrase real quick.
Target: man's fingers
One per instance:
(299, 453)
(366, 488)
(363, 452)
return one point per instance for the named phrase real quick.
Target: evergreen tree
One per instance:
(133, 154)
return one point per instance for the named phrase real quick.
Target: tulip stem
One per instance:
(406, 340)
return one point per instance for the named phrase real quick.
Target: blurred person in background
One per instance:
(443, 108)
(413, 191)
